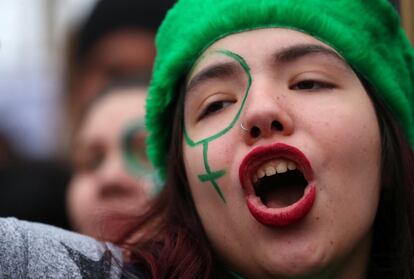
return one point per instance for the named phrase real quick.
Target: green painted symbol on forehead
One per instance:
(213, 176)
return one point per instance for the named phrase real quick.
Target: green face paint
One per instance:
(133, 152)
(193, 139)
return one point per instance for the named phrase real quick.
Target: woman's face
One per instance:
(110, 163)
(282, 154)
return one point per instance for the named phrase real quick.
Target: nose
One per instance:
(265, 115)
(113, 180)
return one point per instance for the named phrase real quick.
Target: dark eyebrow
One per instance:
(215, 71)
(296, 52)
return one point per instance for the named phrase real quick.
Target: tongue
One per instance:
(278, 197)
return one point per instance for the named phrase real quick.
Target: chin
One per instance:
(297, 260)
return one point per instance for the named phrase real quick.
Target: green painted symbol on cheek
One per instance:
(134, 156)
(213, 176)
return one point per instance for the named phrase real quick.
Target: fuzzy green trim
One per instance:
(366, 33)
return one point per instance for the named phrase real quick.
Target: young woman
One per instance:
(282, 129)
(112, 174)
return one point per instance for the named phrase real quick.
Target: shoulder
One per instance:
(30, 249)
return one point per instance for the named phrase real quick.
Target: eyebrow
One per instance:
(215, 71)
(289, 54)
(297, 52)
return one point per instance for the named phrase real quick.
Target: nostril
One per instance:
(276, 125)
(113, 191)
(255, 132)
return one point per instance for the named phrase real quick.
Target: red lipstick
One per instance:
(283, 216)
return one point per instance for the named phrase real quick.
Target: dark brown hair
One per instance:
(393, 233)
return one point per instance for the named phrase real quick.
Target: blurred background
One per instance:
(33, 39)
(40, 65)
(55, 55)
(33, 45)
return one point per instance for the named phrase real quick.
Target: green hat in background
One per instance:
(366, 33)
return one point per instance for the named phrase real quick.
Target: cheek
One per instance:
(144, 187)
(346, 136)
(193, 162)
(82, 196)
(214, 155)
(347, 167)
(219, 157)
(353, 145)
(82, 202)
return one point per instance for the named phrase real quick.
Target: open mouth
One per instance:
(278, 184)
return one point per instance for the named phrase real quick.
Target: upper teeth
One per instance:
(273, 167)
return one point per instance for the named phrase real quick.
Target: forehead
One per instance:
(112, 113)
(256, 46)
(115, 102)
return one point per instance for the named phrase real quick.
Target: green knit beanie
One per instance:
(366, 33)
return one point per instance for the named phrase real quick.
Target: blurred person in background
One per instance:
(112, 174)
(114, 43)
(116, 40)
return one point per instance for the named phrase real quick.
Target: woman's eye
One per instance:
(95, 162)
(214, 107)
(312, 85)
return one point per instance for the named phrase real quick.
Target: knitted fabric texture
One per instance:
(366, 33)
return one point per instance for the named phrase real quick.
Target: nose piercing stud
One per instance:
(243, 128)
